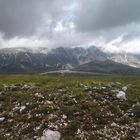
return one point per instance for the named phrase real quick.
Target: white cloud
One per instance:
(59, 27)
(24, 42)
(132, 46)
(71, 23)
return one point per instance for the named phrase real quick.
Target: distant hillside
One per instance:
(24, 60)
(39, 60)
(107, 67)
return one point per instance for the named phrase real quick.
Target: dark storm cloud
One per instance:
(18, 16)
(97, 15)
(23, 17)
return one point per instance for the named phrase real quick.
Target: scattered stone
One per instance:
(121, 95)
(49, 102)
(74, 100)
(114, 125)
(51, 135)
(92, 113)
(28, 86)
(64, 117)
(22, 108)
(2, 119)
(39, 95)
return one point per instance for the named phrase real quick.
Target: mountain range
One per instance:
(91, 59)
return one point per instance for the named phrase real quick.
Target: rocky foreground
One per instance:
(86, 111)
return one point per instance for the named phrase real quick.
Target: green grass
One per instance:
(72, 81)
(24, 79)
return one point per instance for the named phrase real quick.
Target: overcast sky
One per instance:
(111, 24)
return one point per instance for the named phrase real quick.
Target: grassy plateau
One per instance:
(69, 107)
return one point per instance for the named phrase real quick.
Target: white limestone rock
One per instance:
(39, 95)
(22, 108)
(2, 119)
(121, 95)
(64, 117)
(114, 125)
(51, 135)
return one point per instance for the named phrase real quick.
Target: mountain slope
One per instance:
(126, 58)
(24, 60)
(107, 67)
(36, 60)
